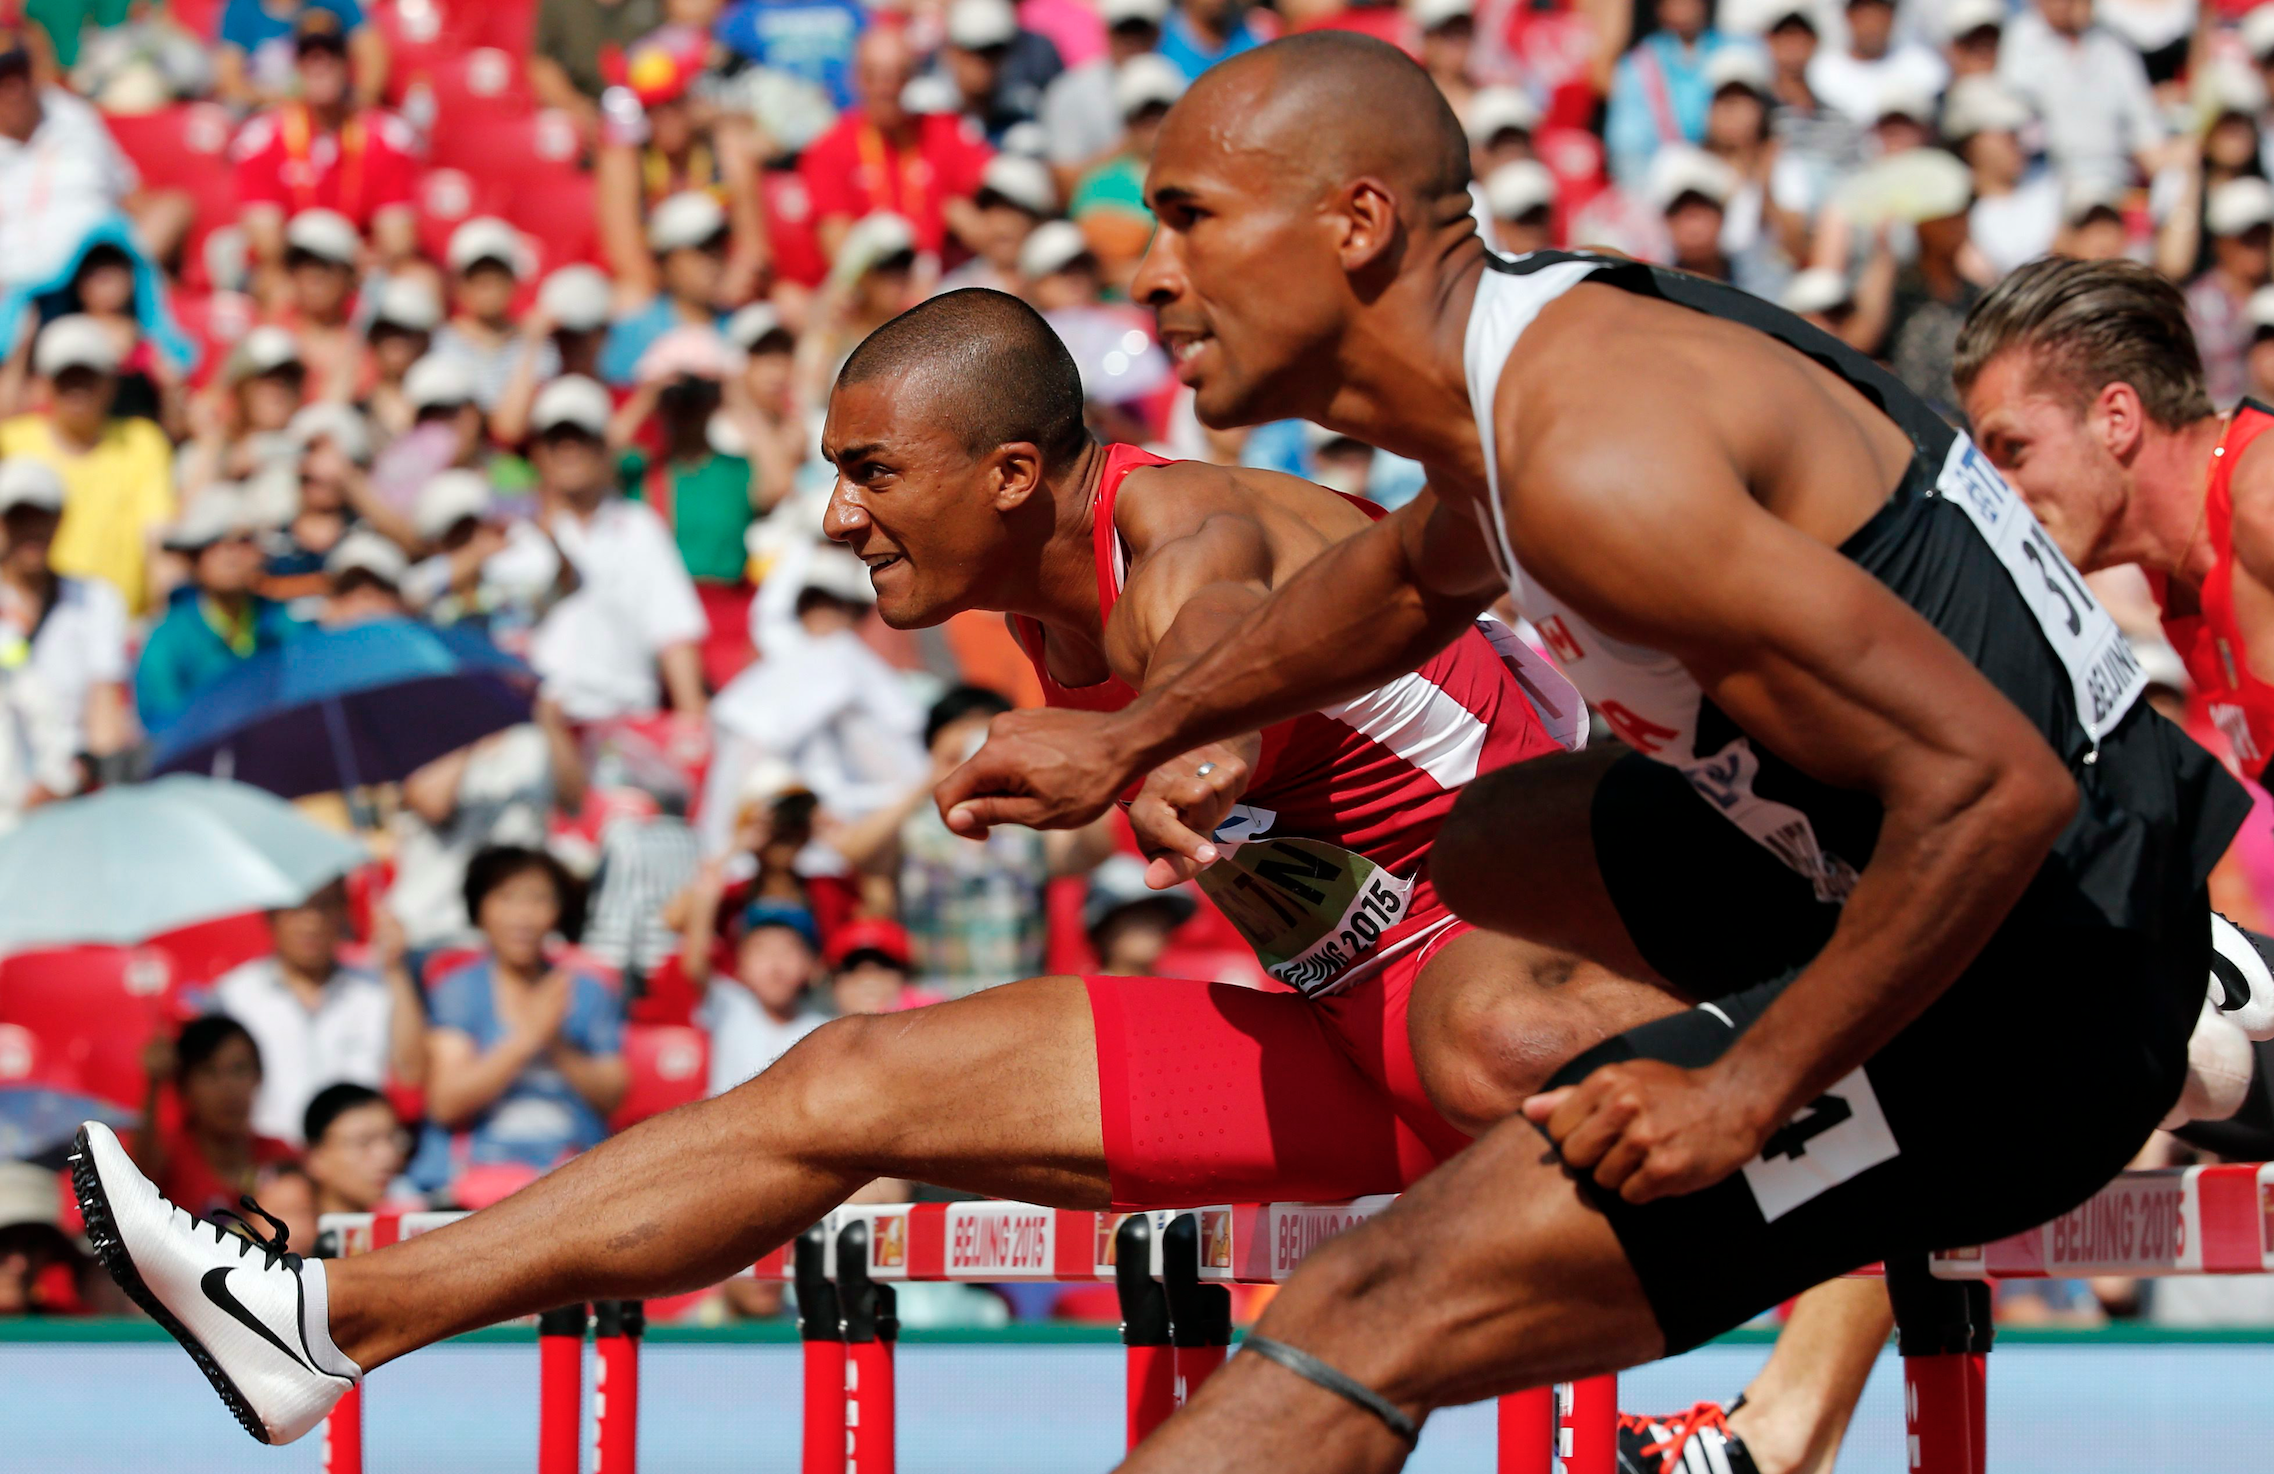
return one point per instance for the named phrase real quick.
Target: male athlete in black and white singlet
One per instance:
(1888, 806)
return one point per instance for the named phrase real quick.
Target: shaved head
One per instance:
(1311, 194)
(983, 367)
(1333, 106)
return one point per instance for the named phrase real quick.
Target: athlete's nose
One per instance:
(844, 516)
(1159, 279)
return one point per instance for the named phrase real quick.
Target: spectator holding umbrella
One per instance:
(215, 1155)
(318, 1022)
(216, 619)
(72, 631)
(524, 1056)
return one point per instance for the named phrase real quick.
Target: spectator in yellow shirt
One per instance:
(118, 487)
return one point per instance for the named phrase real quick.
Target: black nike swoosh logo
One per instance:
(216, 1287)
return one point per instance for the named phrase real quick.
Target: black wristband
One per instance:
(1311, 1369)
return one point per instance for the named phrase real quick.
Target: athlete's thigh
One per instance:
(1517, 856)
(1210, 1093)
(994, 1092)
(1490, 1017)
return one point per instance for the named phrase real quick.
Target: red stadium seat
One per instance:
(91, 1009)
(202, 953)
(670, 1065)
(185, 147)
(554, 206)
(422, 38)
(482, 82)
(509, 25)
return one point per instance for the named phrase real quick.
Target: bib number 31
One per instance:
(2104, 675)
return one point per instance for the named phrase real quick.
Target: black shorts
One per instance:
(2016, 1095)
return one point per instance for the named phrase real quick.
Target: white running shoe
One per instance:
(241, 1306)
(2242, 980)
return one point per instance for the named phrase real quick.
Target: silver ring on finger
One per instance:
(1203, 770)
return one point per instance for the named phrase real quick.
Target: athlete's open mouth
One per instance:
(881, 561)
(1184, 347)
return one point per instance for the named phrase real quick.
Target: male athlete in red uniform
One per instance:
(2086, 389)
(967, 480)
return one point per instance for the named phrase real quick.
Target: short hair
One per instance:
(2090, 324)
(201, 1039)
(333, 1102)
(499, 863)
(960, 702)
(997, 369)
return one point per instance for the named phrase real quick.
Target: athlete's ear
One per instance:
(1016, 473)
(1368, 224)
(2118, 420)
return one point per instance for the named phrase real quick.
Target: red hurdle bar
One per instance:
(821, 1334)
(1528, 1431)
(867, 1314)
(560, 1387)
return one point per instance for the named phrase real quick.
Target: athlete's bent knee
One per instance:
(831, 1092)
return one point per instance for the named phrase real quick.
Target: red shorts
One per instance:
(1212, 1093)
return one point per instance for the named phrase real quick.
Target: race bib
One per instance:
(2104, 675)
(1842, 1134)
(1309, 908)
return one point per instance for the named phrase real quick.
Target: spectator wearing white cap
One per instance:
(878, 274)
(1080, 124)
(1109, 203)
(217, 620)
(32, 1239)
(1971, 31)
(1448, 48)
(1821, 295)
(998, 66)
(2239, 217)
(487, 569)
(2093, 225)
(1691, 190)
(1765, 220)
(441, 390)
(761, 402)
(821, 700)
(1659, 93)
(634, 617)
(488, 260)
(333, 448)
(1016, 194)
(2017, 209)
(1500, 124)
(2089, 89)
(1933, 291)
(322, 254)
(118, 485)
(405, 313)
(689, 234)
(1875, 65)
(1520, 203)
(70, 630)
(1823, 142)
(1200, 33)
(365, 574)
(261, 386)
(574, 306)
(880, 156)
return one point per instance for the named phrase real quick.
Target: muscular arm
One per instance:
(1358, 614)
(1658, 541)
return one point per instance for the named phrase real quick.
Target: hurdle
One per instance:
(1171, 1270)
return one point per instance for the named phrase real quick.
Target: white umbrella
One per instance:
(127, 864)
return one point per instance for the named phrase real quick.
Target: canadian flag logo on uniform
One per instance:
(1558, 636)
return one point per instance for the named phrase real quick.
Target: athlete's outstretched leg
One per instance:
(1491, 1274)
(994, 1093)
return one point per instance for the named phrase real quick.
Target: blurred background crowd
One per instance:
(408, 410)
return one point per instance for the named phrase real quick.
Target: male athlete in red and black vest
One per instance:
(2086, 389)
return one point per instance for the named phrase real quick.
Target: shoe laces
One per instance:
(1701, 1417)
(274, 1249)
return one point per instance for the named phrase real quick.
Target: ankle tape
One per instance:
(1317, 1372)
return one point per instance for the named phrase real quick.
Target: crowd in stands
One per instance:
(519, 317)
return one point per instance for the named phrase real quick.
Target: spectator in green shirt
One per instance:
(688, 463)
(215, 620)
